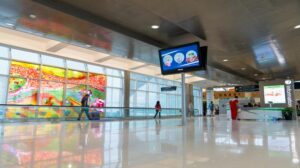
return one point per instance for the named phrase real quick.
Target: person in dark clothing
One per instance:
(85, 107)
(157, 109)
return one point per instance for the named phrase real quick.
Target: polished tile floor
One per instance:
(204, 142)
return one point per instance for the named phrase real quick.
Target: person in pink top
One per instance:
(157, 109)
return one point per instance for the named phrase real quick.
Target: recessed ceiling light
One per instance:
(297, 26)
(32, 16)
(225, 60)
(154, 26)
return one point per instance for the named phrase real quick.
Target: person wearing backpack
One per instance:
(85, 107)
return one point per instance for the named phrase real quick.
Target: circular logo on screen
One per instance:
(168, 60)
(179, 57)
(288, 82)
(191, 56)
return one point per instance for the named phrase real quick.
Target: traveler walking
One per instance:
(157, 109)
(85, 106)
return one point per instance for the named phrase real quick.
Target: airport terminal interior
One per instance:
(144, 84)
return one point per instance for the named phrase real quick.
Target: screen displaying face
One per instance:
(274, 94)
(180, 58)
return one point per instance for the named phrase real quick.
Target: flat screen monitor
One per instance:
(184, 58)
(275, 94)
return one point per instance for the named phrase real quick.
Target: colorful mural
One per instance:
(20, 112)
(22, 91)
(97, 84)
(52, 93)
(24, 85)
(76, 77)
(74, 93)
(24, 70)
(50, 112)
(53, 74)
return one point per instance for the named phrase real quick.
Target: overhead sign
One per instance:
(170, 88)
(249, 88)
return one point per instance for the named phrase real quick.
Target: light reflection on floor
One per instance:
(205, 142)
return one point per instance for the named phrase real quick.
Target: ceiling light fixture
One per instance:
(243, 69)
(9, 24)
(297, 26)
(32, 16)
(154, 26)
(225, 60)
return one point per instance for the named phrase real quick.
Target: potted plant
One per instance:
(287, 113)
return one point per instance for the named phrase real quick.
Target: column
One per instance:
(126, 93)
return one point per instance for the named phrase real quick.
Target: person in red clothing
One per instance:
(234, 107)
(157, 109)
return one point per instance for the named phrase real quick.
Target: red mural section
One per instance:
(24, 70)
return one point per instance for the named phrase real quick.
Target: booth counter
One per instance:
(257, 113)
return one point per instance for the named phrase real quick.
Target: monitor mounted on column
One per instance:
(183, 58)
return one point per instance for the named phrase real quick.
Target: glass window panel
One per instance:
(76, 77)
(170, 83)
(141, 85)
(3, 89)
(163, 100)
(116, 101)
(114, 82)
(162, 81)
(132, 84)
(25, 70)
(109, 97)
(53, 74)
(53, 61)
(95, 69)
(152, 79)
(141, 99)
(110, 81)
(74, 94)
(153, 87)
(172, 101)
(4, 52)
(152, 99)
(22, 91)
(97, 98)
(114, 72)
(132, 98)
(178, 90)
(25, 56)
(97, 87)
(4, 67)
(196, 92)
(117, 82)
(179, 103)
(51, 93)
(97, 80)
(76, 65)
(139, 77)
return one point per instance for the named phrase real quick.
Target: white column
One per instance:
(183, 103)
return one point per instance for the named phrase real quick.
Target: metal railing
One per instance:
(68, 113)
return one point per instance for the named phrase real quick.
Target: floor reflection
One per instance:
(208, 142)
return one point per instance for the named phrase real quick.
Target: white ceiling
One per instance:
(40, 44)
